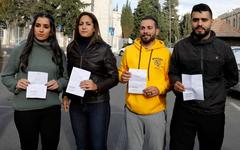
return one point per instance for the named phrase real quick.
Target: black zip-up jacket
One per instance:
(215, 61)
(100, 61)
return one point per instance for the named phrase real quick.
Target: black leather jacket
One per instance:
(101, 62)
(215, 61)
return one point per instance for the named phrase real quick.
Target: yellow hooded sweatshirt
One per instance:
(156, 61)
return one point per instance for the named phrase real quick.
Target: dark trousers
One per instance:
(45, 122)
(90, 125)
(185, 125)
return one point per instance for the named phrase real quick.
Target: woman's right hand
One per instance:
(65, 103)
(22, 84)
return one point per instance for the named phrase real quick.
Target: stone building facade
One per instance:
(12, 35)
(233, 18)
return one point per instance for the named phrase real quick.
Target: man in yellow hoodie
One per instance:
(145, 116)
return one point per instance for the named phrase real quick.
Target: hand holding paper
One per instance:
(126, 75)
(52, 85)
(137, 82)
(76, 77)
(193, 87)
(88, 85)
(37, 87)
(22, 84)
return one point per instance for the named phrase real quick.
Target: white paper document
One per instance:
(77, 75)
(37, 87)
(138, 81)
(193, 87)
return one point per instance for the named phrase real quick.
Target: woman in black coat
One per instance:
(90, 114)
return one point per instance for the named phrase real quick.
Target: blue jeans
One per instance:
(90, 123)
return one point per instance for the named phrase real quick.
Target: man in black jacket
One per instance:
(201, 54)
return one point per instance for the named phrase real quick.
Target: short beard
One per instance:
(147, 41)
(201, 36)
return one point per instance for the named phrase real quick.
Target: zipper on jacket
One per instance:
(81, 62)
(81, 67)
(202, 68)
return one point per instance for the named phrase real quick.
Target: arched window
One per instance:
(234, 22)
(1, 33)
(239, 22)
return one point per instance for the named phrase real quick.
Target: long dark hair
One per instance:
(96, 35)
(57, 54)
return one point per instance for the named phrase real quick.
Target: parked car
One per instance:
(235, 49)
(127, 43)
(236, 52)
(121, 51)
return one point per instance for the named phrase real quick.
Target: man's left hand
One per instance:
(151, 91)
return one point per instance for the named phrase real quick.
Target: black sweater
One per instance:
(215, 61)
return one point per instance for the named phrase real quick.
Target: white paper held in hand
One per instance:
(37, 87)
(193, 87)
(77, 75)
(138, 81)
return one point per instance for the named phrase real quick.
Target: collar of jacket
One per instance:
(195, 41)
(74, 44)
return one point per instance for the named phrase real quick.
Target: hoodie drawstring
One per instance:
(139, 59)
(149, 61)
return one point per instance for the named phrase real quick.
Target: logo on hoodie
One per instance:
(157, 62)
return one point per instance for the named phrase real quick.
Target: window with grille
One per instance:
(1, 32)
